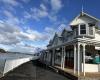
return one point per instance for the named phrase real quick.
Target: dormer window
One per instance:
(82, 28)
(91, 28)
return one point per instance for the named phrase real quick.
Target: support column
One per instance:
(62, 57)
(51, 53)
(74, 58)
(64, 53)
(45, 56)
(53, 56)
(78, 29)
(49, 57)
(84, 59)
(78, 58)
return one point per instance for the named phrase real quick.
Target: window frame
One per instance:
(80, 29)
(91, 30)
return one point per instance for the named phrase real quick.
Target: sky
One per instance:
(29, 24)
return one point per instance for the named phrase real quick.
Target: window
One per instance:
(91, 30)
(76, 31)
(82, 29)
(75, 28)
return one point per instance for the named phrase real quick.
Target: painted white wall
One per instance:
(97, 37)
(2, 64)
(91, 67)
(11, 64)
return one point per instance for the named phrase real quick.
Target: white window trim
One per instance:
(93, 31)
(79, 29)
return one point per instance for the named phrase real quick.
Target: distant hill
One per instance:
(2, 51)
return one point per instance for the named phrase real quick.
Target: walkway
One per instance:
(32, 70)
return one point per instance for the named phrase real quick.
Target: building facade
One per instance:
(77, 49)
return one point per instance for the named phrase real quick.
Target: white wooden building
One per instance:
(78, 49)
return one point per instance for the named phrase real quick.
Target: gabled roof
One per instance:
(65, 30)
(51, 41)
(58, 34)
(85, 14)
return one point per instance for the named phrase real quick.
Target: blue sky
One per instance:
(26, 24)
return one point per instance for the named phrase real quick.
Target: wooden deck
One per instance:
(87, 74)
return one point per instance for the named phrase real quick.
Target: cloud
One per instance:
(8, 34)
(43, 7)
(25, 49)
(11, 18)
(27, 15)
(58, 27)
(11, 5)
(50, 30)
(56, 5)
(37, 13)
(12, 35)
(61, 27)
(8, 14)
(25, 1)
(46, 1)
(10, 2)
(35, 35)
(11, 28)
(43, 12)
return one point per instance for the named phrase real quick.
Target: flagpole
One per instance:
(82, 7)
